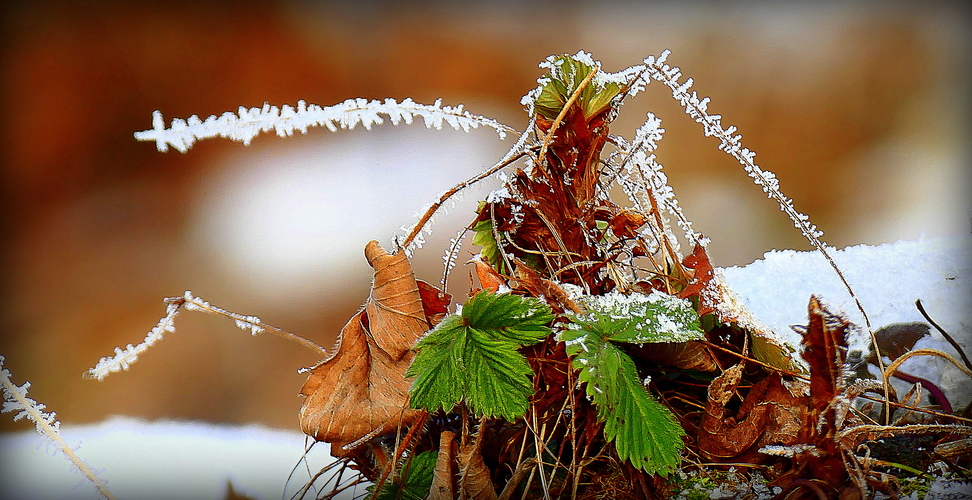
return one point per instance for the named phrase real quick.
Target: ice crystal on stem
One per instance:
(123, 358)
(730, 142)
(15, 400)
(284, 121)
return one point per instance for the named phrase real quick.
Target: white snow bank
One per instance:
(159, 460)
(887, 279)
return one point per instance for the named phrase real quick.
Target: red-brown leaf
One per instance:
(361, 389)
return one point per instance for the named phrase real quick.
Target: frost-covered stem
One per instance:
(123, 358)
(451, 254)
(15, 398)
(249, 123)
(515, 153)
(450, 193)
(563, 112)
(252, 323)
(712, 126)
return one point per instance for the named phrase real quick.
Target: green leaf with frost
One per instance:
(641, 319)
(643, 431)
(473, 356)
(412, 482)
(567, 72)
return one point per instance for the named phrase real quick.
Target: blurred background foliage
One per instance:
(860, 108)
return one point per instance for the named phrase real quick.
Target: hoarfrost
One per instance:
(248, 123)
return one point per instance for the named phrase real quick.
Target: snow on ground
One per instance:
(159, 460)
(192, 460)
(887, 279)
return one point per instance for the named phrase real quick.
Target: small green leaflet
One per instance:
(643, 431)
(412, 482)
(484, 238)
(567, 73)
(473, 355)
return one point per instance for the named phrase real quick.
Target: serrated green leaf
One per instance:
(524, 320)
(437, 368)
(643, 431)
(641, 319)
(473, 356)
(412, 482)
(498, 380)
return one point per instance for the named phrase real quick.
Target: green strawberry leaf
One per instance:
(643, 431)
(412, 482)
(473, 356)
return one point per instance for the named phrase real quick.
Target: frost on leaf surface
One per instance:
(640, 319)
(566, 74)
(472, 356)
(643, 431)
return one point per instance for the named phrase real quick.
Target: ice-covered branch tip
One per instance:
(15, 400)
(729, 141)
(248, 123)
(123, 358)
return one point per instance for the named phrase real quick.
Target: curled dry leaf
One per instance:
(488, 277)
(474, 481)
(772, 413)
(360, 390)
(442, 487)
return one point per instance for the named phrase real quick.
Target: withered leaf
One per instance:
(690, 355)
(770, 414)
(896, 339)
(474, 482)
(442, 487)
(825, 350)
(488, 277)
(699, 261)
(360, 390)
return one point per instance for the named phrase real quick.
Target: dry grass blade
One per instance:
(893, 367)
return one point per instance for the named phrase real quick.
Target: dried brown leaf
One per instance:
(474, 481)
(361, 389)
(442, 488)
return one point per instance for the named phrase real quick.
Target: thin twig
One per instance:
(753, 360)
(944, 334)
(515, 153)
(923, 352)
(246, 322)
(563, 112)
(16, 400)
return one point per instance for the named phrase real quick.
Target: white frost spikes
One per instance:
(123, 358)
(15, 399)
(729, 141)
(249, 123)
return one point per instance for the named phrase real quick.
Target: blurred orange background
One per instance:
(861, 109)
